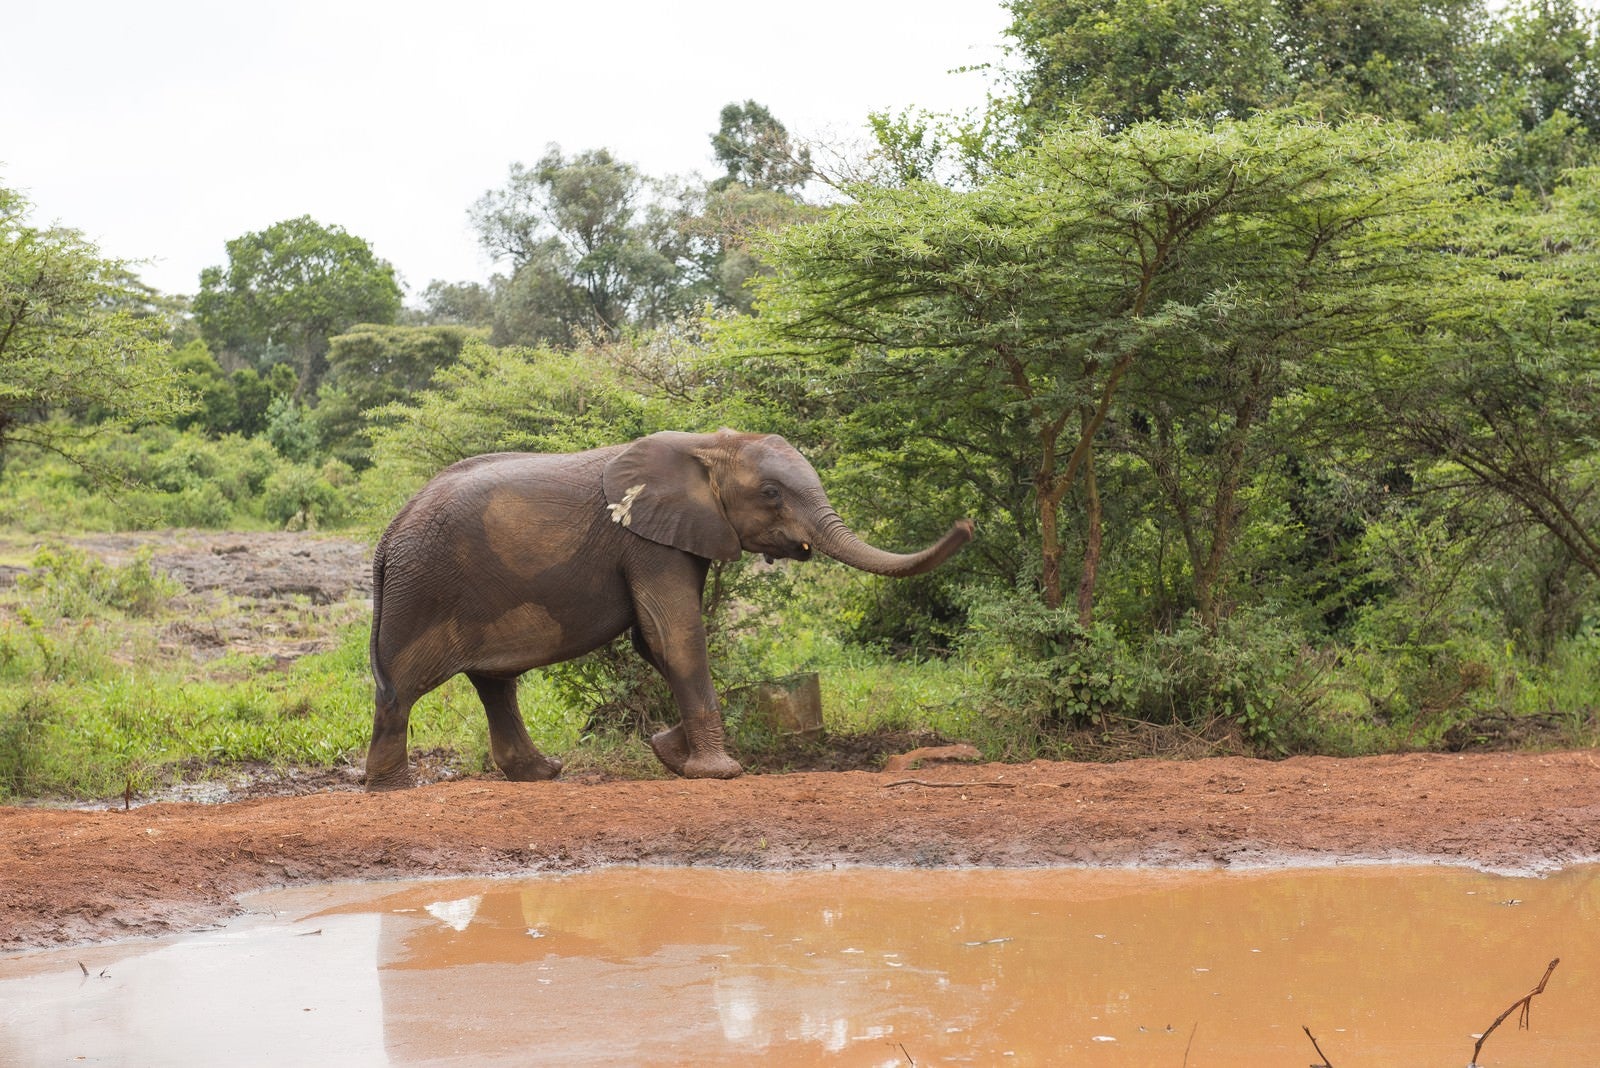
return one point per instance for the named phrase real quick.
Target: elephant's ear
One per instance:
(660, 489)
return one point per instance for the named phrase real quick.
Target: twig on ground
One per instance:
(1326, 1063)
(949, 785)
(1189, 1043)
(1525, 1003)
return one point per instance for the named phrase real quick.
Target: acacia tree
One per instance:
(287, 290)
(1021, 319)
(75, 340)
(376, 365)
(1503, 402)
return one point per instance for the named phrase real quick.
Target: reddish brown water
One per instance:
(1386, 965)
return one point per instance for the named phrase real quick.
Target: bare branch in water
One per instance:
(1326, 1063)
(1525, 1003)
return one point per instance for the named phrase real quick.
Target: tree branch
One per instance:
(1525, 1003)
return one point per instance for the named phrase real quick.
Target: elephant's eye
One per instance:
(772, 493)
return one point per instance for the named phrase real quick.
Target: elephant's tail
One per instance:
(385, 689)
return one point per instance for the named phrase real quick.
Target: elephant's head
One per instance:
(717, 495)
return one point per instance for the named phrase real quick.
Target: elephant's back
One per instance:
(500, 514)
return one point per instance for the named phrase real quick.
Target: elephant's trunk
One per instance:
(838, 541)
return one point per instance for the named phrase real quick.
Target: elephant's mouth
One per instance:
(798, 551)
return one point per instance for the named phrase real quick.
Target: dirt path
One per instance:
(74, 875)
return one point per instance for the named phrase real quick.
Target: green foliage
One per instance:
(620, 692)
(66, 582)
(756, 150)
(303, 497)
(1162, 284)
(176, 479)
(1132, 61)
(494, 399)
(1047, 670)
(217, 399)
(79, 349)
(594, 247)
(1520, 75)
(376, 365)
(289, 288)
(107, 725)
(290, 430)
(469, 304)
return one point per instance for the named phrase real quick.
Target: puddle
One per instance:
(1386, 965)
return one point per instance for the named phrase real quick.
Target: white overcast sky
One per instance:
(164, 129)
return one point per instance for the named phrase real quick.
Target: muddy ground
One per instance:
(75, 875)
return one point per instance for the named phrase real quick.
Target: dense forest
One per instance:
(1256, 335)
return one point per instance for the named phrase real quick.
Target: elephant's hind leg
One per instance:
(509, 744)
(387, 768)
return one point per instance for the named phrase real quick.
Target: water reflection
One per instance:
(1127, 967)
(1386, 965)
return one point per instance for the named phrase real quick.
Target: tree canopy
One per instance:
(593, 246)
(77, 339)
(289, 288)
(1521, 73)
(1166, 282)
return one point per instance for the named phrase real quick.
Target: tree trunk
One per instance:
(1050, 547)
(1091, 548)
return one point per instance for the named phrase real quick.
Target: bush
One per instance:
(1253, 670)
(303, 497)
(23, 746)
(68, 583)
(1042, 665)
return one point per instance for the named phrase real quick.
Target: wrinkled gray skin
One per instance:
(512, 561)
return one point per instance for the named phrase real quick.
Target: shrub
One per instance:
(1042, 665)
(70, 583)
(303, 497)
(23, 745)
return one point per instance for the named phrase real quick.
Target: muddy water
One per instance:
(1386, 965)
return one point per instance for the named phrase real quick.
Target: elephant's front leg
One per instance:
(672, 635)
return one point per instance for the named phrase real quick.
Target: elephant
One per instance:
(511, 561)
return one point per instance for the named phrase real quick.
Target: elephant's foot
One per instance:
(712, 766)
(390, 778)
(537, 768)
(672, 749)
